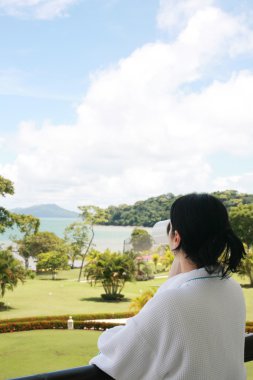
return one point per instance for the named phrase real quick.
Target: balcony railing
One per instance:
(248, 350)
(91, 372)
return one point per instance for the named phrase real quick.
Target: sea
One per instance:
(112, 237)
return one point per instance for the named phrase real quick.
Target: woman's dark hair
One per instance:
(206, 235)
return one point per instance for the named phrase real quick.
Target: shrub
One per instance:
(81, 321)
(112, 297)
(138, 302)
(111, 269)
(85, 321)
(249, 327)
(54, 324)
(30, 274)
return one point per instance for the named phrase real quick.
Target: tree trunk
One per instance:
(87, 250)
(251, 279)
(26, 262)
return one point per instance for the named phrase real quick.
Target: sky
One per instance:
(113, 101)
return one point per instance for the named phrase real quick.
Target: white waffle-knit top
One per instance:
(192, 329)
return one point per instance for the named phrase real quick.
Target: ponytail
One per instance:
(233, 254)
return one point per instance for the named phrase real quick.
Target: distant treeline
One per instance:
(147, 213)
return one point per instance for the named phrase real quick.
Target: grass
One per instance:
(42, 296)
(32, 352)
(249, 369)
(248, 295)
(27, 353)
(42, 351)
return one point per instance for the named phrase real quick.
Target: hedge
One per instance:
(76, 317)
(56, 324)
(249, 327)
(81, 321)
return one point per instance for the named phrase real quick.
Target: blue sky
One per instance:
(47, 63)
(113, 101)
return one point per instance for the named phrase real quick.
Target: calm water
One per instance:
(105, 236)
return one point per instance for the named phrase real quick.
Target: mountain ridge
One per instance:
(49, 210)
(142, 213)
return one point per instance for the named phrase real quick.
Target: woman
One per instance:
(193, 328)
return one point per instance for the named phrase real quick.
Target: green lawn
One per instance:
(31, 352)
(248, 294)
(43, 296)
(27, 353)
(249, 368)
(36, 351)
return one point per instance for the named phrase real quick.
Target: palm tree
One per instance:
(112, 270)
(155, 258)
(11, 271)
(138, 302)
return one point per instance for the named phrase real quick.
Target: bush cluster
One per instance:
(76, 317)
(249, 327)
(54, 324)
(81, 321)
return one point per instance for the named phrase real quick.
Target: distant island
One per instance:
(46, 211)
(147, 212)
(142, 213)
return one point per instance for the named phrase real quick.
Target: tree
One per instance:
(6, 187)
(141, 240)
(112, 270)
(27, 224)
(241, 218)
(76, 236)
(52, 261)
(11, 271)
(155, 258)
(167, 258)
(142, 213)
(246, 265)
(91, 215)
(143, 269)
(33, 245)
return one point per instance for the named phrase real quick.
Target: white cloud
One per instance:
(139, 132)
(240, 182)
(39, 9)
(176, 13)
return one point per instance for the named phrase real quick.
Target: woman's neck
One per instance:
(186, 264)
(181, 265)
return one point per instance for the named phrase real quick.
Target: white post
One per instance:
(70, 323)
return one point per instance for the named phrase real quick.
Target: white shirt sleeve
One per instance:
(123, 351)
(130, 352)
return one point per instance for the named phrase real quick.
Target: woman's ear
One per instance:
(176, 240)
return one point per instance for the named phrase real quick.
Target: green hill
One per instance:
(142, 213)
(46, 211)
(148, 212)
